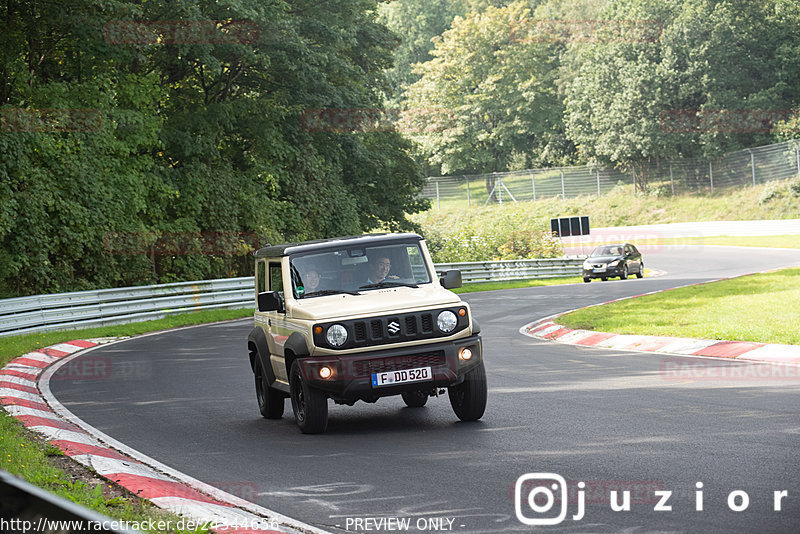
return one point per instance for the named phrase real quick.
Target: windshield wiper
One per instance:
(329, 292)
(387, 283)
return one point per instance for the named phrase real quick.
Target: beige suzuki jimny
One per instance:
(361, 318)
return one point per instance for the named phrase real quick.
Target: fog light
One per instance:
(325, 372)
(465, 354)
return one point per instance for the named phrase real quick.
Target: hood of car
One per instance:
(373, 302)
(603, 259)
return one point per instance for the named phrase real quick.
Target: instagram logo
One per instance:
(539, 492)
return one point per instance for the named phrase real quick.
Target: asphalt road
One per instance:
(612, 419)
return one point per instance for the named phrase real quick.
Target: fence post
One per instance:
(563, 192)
(597, 172)
(752, 166)
(467, 180)
(797, 153)
(499, 188)
(711, 176)
(533, 184)
(438, 203)
(671, 180)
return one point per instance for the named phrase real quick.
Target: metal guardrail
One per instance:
(102, 307)
(504, 270)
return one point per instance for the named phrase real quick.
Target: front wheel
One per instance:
(587, 280)
(641, 271)
(415, 399)
(468, 399)
(310, 405)
(624, 275)
(270, 402)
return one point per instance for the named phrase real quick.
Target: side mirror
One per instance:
(270, 301)
(451, 279)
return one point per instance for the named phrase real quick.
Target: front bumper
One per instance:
(351, 379)
(607, 273)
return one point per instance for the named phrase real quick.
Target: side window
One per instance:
(418, 269)
(275, 278)
(261, 277)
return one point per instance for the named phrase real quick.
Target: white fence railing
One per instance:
(85, 309)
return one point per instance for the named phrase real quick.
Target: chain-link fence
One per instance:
(748, 167)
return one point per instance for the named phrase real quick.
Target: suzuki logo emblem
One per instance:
(394, 327)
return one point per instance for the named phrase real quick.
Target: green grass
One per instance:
(27, 456)
(720, 310)
(13, 346)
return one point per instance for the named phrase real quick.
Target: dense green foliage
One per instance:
(543, 83)
(125, 159)
(155, 141)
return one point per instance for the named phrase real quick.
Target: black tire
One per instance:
(270, 402)
(587, 280)
(468, 399)
(604, 278)
(640, 274)
(415, 399)
(624, 275)
(310, 405)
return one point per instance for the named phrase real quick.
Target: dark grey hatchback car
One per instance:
(607, 261)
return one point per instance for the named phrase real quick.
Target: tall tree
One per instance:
(495, 88)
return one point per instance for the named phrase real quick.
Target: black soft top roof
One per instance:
(286, 249)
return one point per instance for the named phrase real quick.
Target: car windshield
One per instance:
(353, 270)
(607, 250)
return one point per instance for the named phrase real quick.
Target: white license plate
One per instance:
(390, 378)
(600, 270)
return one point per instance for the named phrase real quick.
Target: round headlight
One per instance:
(446, 321)
(337, 335)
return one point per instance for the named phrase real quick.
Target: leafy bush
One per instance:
(771, 192)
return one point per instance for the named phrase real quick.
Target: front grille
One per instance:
(411, 325)
(372, 331)
(376, 327)
(364, 368)
(427, 323)
(360, 331)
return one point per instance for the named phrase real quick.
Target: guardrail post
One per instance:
(563, 193)
(533, 184)
(438, 203)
